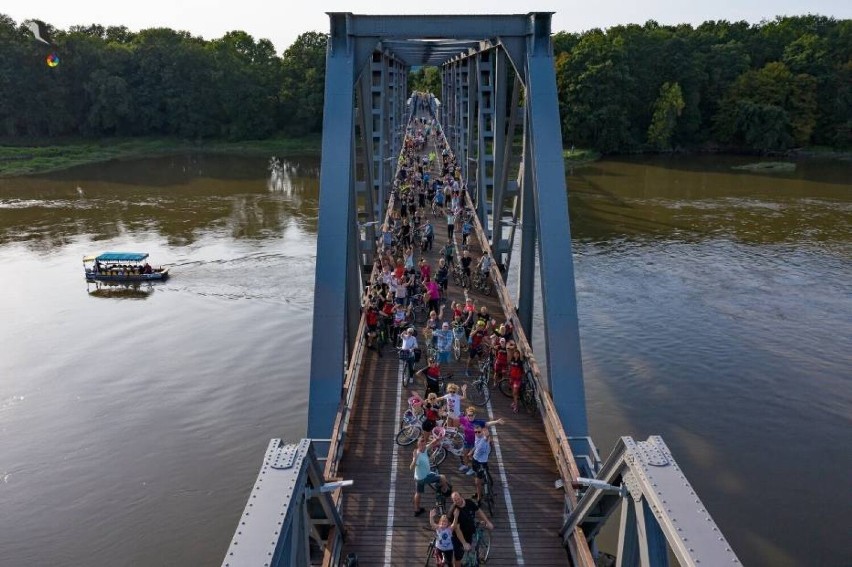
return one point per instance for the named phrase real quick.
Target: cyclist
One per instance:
(466, 261)
(481, 452)
(432, 375)
(467, 228)
(406, 352)
(469, 312)
(428, 232)
(433, 291)
(475, 348)
(425, 269)
(484, 265)
(501, 360)
(372, 321)
(442, 276)
(444, 343)
(423, 473)
(516, 376)
(468, 432)
(448, 251)
(453, 400)
(443, 536)
(465, 512)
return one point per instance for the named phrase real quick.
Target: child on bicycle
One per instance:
(443, 537)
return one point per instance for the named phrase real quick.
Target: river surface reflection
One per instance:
(715, 310)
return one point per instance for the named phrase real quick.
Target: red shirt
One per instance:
(516, 369)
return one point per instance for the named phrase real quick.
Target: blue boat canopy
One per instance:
(122, 257)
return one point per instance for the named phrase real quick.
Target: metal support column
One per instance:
(485, 143)
(559, 303)
(328, 347)
(527, 268)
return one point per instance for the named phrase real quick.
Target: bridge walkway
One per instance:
(378, 509)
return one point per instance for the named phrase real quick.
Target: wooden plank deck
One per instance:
(378, 509)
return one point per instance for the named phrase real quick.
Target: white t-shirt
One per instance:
(453, 405)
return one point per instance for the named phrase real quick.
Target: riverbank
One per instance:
(579, 156)
(34, 157)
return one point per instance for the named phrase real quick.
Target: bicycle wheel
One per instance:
(430, 554)
(483, 545)
(478, 392)
(457, 349)
(488, 494)
(437, 455)
(486, 287)
(528, 399)
(408, 435)
(505, 388)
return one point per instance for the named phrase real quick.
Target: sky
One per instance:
(281, 22)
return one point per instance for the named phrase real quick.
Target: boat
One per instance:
(122, 267)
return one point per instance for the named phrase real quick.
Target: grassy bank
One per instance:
(578, 156)
(35, 157)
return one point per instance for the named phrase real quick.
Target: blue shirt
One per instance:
(481, 449)
(421, 466)
(445, 339)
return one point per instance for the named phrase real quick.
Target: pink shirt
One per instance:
(434, 290)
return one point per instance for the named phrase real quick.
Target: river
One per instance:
(715, 310)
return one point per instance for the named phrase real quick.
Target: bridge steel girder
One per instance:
(288, 514)
(556, 264)
(659, 510)
(340, 248)
(334, 245)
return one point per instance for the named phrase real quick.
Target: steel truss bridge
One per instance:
(344, 491)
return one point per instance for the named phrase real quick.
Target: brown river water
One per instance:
(715, 310)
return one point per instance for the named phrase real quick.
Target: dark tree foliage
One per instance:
(425, 79)
(770, 86)
(157, 82)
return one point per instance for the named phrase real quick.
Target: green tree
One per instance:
(773, 93)
(426, 79)
(667, 109)
(303, 84)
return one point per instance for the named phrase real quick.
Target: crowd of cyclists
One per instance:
(409, 312)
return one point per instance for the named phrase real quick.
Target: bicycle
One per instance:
(451, 441)
(480, 547)
(411, 423)
(382, 334)
(419, 309)
(487, 490)
(527, 395)
(440, 497)
(481, 282)
(460, 277)
(459, 341)
(478, 391)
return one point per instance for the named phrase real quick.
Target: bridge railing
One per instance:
(557, 438)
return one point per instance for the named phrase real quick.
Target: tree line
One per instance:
(771, 86)
(157, 82)
(776, 85)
